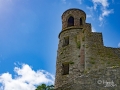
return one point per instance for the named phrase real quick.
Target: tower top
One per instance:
(73, 9)
(73, 18)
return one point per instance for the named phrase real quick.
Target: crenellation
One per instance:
(88, 27)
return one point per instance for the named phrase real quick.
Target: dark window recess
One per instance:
(70, 21)
(65, 41)
(81, 23)
(65, 68)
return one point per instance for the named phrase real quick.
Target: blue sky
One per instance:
(29, 36)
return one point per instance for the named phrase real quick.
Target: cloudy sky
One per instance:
(29, 37)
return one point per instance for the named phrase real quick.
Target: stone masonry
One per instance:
(83, 62)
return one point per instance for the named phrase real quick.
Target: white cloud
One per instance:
(79, 1)
(89, 16)
(118, 44)
(107, 12)
(89, 8)
(100, 18)
(95, 6)
(25, 79)
(103, 4)
(93, 29)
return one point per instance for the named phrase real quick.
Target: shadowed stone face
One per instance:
(65, 41)
(65, 68)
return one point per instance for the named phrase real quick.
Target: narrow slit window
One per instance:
(70, 21)
(66, 41)
(81, 23)
(65, 68)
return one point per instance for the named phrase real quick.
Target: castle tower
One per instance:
(82, 58)
(71, 52)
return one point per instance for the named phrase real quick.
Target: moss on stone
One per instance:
(83, 38)
(78, 44)
(92, 61)
(71, 62)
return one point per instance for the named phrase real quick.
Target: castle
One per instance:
(83, 62)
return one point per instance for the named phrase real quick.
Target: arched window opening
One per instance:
(81, 22)
(70, 21)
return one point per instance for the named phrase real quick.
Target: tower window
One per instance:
(70, 21)
(65, 41)
(81, 22)
(65, 68)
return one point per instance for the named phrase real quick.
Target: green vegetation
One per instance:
(78, 55)
(93, 45)
(66, 62)
(61, 52)
(108, 62)
(115, 66)
(86, 46)
(92, 60)
(78, 44)
(63, 57)
(90, 35)
(71, 62)
(109, 55)
(45, 87)
(88, 68)
(83, 31)
(85, 71)
(64, 48)
(83, 38)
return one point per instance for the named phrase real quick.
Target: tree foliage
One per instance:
(45, 87)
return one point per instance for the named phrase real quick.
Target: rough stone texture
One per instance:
(90, 62)
(102, 79)
(77, 14)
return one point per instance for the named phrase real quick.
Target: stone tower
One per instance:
(71, 52)
(79, 51)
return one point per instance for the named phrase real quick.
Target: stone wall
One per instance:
(97, 55)
(102, 79)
